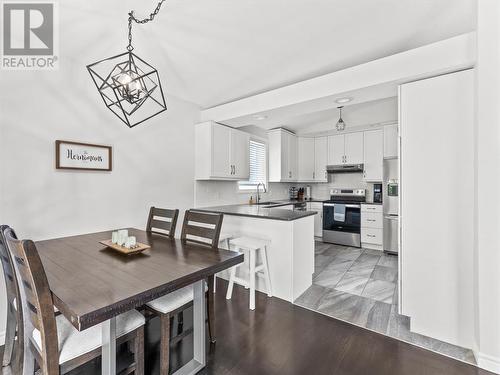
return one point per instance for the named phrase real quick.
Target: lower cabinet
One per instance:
(372, 226)
(318, 218)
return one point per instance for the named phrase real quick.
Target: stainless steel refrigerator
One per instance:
(391, 206)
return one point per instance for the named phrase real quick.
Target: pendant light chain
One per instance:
(131, 18)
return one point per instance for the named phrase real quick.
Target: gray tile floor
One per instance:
(360, 287)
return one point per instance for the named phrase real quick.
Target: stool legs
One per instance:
(215, 275)
(267, 279)
(252, 279)
(231, 283)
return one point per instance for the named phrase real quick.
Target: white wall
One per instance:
(153, 163)
(487, 243)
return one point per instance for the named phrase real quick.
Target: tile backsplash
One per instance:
(214, 193)
(340, 180)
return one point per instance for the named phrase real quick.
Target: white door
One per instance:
(437, 206)
(221, 151)
(373, 155)
(305, 159)
(336, 150)
(240, 154)
(354, 148)
(320, 159)
(292, 156)
(391, 141)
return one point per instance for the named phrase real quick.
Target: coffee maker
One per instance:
(377, 193)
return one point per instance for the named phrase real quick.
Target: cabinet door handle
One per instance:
(370, 235)
(313, 175)
(371, 220)
(234, 169)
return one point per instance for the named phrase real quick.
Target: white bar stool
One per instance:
(250, 246)
(224, 239)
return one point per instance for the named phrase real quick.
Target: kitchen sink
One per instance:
(268, 203)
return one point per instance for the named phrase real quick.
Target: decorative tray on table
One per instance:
(137, 248)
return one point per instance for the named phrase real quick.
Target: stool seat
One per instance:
(249, 243)
(251, 246)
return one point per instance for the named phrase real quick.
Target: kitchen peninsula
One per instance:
(291, 243)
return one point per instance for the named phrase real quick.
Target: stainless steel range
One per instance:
(342, 217)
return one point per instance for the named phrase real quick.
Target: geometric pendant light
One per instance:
(340, 126)
(128, 85)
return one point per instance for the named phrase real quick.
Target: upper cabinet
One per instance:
(391, 141)
(221, 152)
(283, 149)
(345, 149)
(373, 155)
(306, 167)
(320, 159)
(312, 159)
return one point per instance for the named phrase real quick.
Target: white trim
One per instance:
(488, 362)
(2, 338)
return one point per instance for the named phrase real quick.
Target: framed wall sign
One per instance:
(86, 156)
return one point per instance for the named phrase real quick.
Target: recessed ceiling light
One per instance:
(343, 100)
(259, 117)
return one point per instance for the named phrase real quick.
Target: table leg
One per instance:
(199, 359)
(109, 347)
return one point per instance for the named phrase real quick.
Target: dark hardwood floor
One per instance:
(280, 338)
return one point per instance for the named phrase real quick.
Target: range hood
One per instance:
(345, 168)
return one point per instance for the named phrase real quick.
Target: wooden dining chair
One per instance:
(202, 229)
(51, 341)
(162, 221)
(13, 347)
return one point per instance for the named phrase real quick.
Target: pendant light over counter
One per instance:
(340, 126)
(129, 86)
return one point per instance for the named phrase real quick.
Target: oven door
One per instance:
(351, 222)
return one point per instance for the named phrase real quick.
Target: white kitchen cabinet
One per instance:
(373, 155)
(354, 148)
(221, 152)
(305, 162)
(336, 150)
(318, 218)
(372, 224)
(240, 154)
(345, 149)
(320, 159)
(282, 156)
(391, 141)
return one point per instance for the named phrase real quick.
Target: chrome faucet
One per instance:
(258, 191)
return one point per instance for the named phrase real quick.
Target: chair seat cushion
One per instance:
(174, 300)
(73, 343)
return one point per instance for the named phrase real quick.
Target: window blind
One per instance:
(258, 171)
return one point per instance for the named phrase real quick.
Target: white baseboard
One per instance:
(2, 338)
(488, 362)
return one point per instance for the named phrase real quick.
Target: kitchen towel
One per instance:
(339, 212)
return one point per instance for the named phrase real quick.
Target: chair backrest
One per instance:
(158, 224)
(202, 228)
(36, 300)
(9, 273)
(13, 296)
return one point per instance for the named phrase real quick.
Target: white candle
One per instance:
(132, 241)
(122, 236)
(114, 237)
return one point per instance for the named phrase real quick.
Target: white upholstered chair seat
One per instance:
(174, 300)
(73, 343)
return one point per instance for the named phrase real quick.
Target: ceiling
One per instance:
(216, 51)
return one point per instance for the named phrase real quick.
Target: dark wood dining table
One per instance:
(92, 284)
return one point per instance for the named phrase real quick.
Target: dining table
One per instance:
(92, 284)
